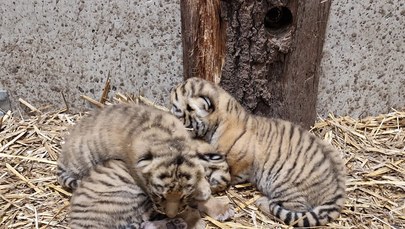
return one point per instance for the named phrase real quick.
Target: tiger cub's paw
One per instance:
(193, 218)
(217, 208)
(263, 204)
(176, 223)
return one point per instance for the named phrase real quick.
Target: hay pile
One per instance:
(29, 195)
(373, 149)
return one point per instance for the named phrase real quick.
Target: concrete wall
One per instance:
(364, 55)
(49, 46)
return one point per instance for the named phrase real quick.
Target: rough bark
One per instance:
(273, 50)
(203, 34)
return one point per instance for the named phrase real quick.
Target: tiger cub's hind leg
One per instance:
(263, 203)
(66, 178)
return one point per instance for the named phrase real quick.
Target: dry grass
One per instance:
(373, 149)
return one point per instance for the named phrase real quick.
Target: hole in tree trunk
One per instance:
(278, 19)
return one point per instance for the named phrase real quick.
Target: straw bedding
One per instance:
(373, 149)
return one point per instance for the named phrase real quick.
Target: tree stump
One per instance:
(203, 36)
(273, 51)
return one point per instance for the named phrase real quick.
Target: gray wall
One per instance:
(364, 55)
(49, 46)
(70, 45)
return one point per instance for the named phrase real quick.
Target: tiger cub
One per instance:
(108, 197)
(162, 159)
(302, 178)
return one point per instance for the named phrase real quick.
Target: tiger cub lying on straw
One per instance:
(162, 159)
(109, 198)
(302, 178)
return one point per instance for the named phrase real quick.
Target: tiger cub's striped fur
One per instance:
(168, 165)
(302, 178)
(109, 198)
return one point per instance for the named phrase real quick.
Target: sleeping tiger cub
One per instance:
(109, 198)
(164, 161)
(302, 178)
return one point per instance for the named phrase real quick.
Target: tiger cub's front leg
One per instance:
(176, 223)
(217, 208)
(217, 179)
(203, 190)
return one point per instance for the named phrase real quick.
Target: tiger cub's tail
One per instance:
(317, 216)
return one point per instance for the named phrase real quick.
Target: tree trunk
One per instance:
(273, 51)
(203, 35)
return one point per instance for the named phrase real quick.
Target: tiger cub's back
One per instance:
(109, 133)
(109, 198)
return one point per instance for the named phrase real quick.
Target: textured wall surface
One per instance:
(49, 46)
(364, 55)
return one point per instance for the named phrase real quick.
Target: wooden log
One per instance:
(273, 51)
(203, 36)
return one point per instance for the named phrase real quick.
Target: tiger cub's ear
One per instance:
(201, 105)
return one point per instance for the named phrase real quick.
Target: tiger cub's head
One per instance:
(201, 105)
(194, 102)
(173, 173)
